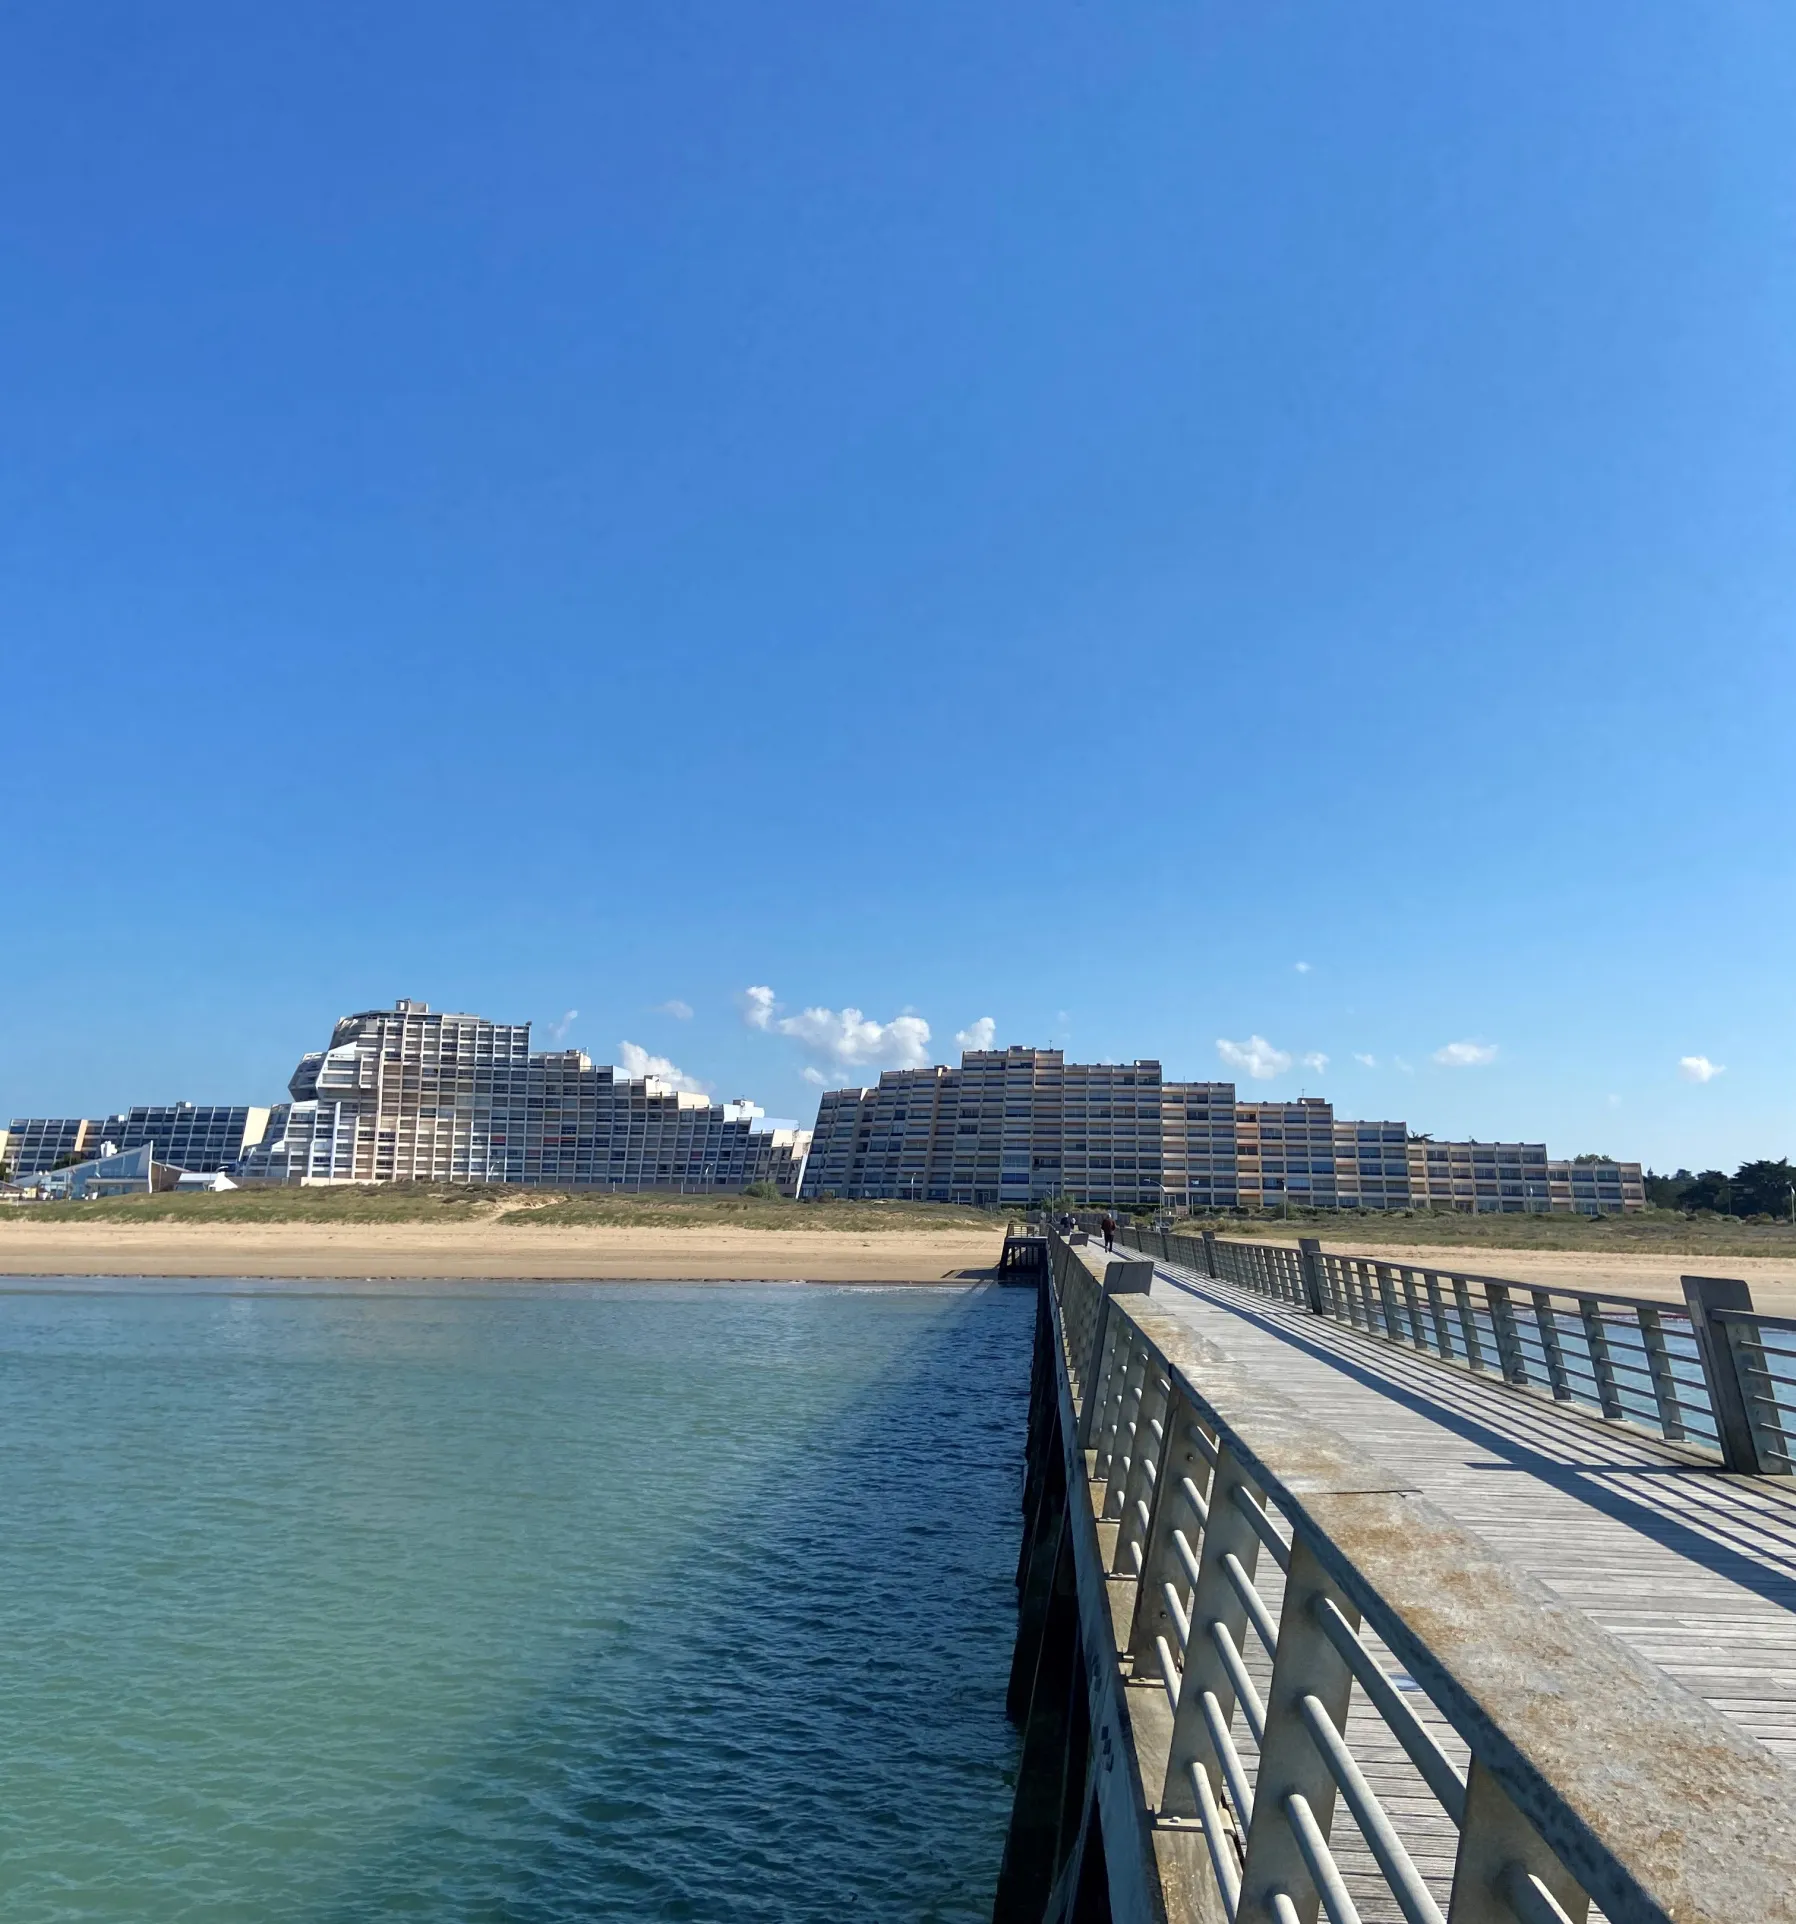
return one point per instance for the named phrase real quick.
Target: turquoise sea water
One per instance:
(512, 1602)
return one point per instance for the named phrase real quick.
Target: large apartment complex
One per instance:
(197, 1136)
(409, 1093)
(1019, 1125)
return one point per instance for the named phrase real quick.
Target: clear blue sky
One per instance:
(1056, 513)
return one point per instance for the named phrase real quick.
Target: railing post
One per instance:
(1596, 1340)
(1309, 1254)
(1209, 1236)
(1120, 1279)
(1306, 1664)
(1509, 1343)
(1498, 1847)
(1181, 1461)
(1214, 1600)
(1727, 1398)
(1658, 1362)
(1546, 1320)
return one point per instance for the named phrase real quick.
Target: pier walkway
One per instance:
(1399, 1596)
(1693, 1569)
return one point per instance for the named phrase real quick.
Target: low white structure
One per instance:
(207, 1179)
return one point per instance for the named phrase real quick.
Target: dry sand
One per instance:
(1772, 1279)
(477, 1249)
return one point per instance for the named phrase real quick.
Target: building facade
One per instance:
(199, 1136)
(1016, 1126)
(414, 1094)
(1009, 1126)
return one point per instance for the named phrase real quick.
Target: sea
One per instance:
(324, 1602)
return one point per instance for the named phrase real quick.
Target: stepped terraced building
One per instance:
(202, 1137)
(1012, 1126)
(415, 1094)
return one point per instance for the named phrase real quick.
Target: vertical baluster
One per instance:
(1119, 1413)
(1181, 1460)
(1496, 1844)
(1147, 1445)
(1437, 1311)
(1418, 1333)
(1509, 1341)
(1468, 1324)
(1387, 1302)
(1213, 1600)
(1658, 1362)
(1546, 1320)
(1597, 1340)
(1306, 1664)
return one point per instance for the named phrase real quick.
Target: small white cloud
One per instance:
(636, 1061)
(1302, 968)
(1699, 1069)
(1368, 1062)
(680, 1011)
(1315, 1060)
(815, 1077)
(977, 1035)
(1256, 1057)
(1407, 1068)
(1466, 1055)
(558, 1030)
(757, 1006)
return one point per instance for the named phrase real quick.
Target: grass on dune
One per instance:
(412, 1203)
(1653, 1232)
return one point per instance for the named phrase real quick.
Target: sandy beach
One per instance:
(692, 1254)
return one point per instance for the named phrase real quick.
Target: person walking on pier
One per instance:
(1107, 1223)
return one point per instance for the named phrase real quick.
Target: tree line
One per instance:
(1762, 1188)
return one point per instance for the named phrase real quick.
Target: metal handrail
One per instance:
(1591, 1776)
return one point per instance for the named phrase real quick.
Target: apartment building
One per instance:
(415, 1094)
(1198, 1145)
(202, 1137)
(1285, 1152)
(1371, 1165)
(1008, 1126)
(1481, 1178)
(1593, 1186)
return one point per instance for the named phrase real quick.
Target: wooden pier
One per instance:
(1324, 1610)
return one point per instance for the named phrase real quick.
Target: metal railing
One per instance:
(1710, 1373)
(1316, 1639)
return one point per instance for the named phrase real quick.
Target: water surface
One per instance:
(519, 1602)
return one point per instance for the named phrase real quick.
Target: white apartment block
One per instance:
(1198, 1135)
(412, 1094)
(1594, 1186)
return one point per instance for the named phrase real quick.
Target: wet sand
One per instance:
(495, 1251)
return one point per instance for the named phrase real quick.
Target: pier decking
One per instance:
(1503, 1657)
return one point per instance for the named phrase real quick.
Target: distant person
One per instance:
(1108, 1226)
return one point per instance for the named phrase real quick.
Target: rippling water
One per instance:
(505, 1602)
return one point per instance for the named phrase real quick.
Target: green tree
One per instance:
(1762, 1188)
(1710, 1190)
(1668, 1192)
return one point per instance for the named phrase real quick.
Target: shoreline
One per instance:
(493, 1254)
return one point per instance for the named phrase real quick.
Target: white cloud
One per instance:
(977, 1035)
(816, 1077)
(848, 1038)
(757, 1007)
(1302, 968)
(1466, 1055)
(1368, 1062)
(1256, 1056)
(1315, 1060)
(1404, 1066)
(680, 1011)
(558, 1030)
(1699, 1069)
(636, 1061)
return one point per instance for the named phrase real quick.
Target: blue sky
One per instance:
(1157, 525)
